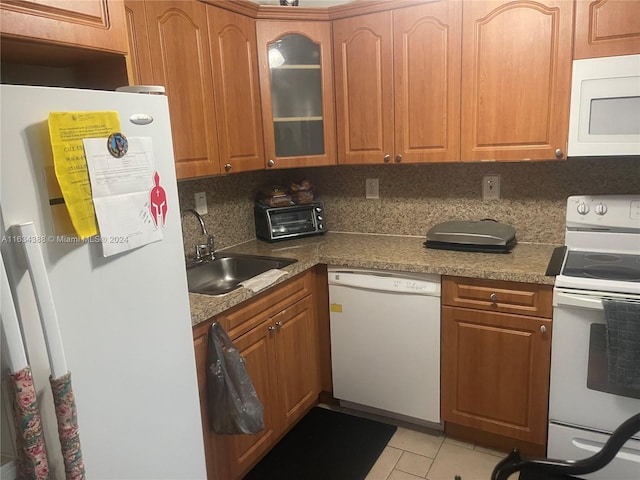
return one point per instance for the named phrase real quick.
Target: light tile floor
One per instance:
(418, 453)
(428, 454)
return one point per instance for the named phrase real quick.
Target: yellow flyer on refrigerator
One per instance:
(67, 131)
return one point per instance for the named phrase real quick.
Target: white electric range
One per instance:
(595, 355)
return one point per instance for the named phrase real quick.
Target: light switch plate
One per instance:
(201, 203)
(491, 187)
(372, 189)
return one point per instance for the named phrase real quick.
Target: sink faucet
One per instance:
(206, 251)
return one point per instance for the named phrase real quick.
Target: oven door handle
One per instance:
(625, 453)
(561, 299)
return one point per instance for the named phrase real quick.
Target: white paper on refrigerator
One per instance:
(121, 189)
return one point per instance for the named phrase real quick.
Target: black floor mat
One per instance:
(325, 445)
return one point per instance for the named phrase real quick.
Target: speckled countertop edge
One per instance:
(526, 262)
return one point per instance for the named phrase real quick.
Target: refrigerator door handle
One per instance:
(44, 299)
(11, 326)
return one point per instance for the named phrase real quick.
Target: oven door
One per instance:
(576, 443)
(580, 393)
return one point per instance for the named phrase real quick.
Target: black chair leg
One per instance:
(508, 465)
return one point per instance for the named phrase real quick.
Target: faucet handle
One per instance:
(205, 251)
(202, 251)
(211, 243)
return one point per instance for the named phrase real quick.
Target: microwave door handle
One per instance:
(44, 301)
(16, 354)
(562, 299)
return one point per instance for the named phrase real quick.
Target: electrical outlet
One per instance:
(201, 203)
(491, 187)
(372, 188)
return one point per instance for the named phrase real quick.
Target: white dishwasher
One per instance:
(385, 341)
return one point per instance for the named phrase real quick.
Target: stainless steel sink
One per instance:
(226, 271)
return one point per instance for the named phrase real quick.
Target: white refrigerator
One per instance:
(124, 320)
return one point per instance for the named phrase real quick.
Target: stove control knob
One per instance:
(600, 209)
(583, 208)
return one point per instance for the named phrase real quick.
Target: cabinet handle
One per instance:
(227, 167)
(387, 157)
(543, 329)
(559, 153)
(271, 328)
(278, 325)
(398, 158)
(493, 297)
(270, 163)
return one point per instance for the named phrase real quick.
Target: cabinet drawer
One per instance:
(245, 317)
(498, 296)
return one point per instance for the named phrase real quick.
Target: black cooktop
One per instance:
(605, 266)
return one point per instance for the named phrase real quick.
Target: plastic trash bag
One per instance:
(234, 406)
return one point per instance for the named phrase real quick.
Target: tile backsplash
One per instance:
(413, 198)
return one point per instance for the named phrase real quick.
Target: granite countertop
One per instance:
(525, 263)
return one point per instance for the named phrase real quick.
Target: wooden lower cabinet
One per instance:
(257, 347)
(495, 370)
(282, 358)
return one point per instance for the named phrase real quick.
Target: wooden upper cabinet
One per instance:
(139, 59)
(363, 53)
(516, 87)
(606, 28)
(398, 84)
(236, 83)
(93, 24)
(426, 66)
(296, 84)
(178, 48)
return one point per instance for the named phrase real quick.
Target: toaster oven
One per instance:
(280, 223)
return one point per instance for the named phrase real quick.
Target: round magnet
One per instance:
(117, 145)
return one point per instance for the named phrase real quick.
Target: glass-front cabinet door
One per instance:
(297, 93)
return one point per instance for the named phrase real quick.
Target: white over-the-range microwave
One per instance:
(605, 107)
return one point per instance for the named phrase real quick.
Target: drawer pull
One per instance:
(493, 297)
(543, 329)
